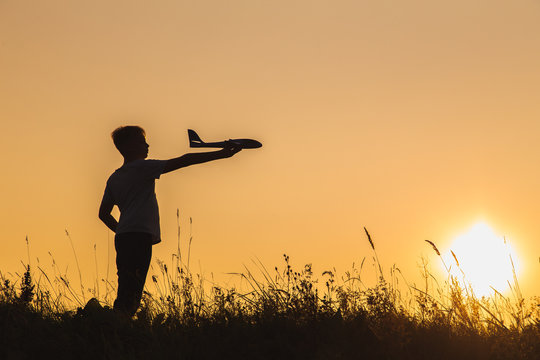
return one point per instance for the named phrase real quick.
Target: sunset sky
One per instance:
(416, 119)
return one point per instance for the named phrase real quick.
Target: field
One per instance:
(284, 313)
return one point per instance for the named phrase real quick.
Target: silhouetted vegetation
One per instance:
(284, 313)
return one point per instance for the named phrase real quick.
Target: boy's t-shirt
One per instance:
(132, 189)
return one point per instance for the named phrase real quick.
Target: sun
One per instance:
(483, 260)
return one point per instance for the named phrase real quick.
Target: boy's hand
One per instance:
(231, 149)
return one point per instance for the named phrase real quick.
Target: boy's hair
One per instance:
(122, 136)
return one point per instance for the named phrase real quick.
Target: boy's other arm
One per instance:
(105, 214)
(199, 158)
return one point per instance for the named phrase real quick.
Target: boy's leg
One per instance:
(133, 255)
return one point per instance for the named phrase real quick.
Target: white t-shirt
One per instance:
(132, 189)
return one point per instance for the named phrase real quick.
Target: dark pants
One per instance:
(133, 254)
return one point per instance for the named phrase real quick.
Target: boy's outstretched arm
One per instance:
(198, 158)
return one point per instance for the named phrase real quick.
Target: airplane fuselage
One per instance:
(195, 141)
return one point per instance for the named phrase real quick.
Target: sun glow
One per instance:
(483, 260)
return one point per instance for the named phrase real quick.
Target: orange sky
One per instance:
(416, 119)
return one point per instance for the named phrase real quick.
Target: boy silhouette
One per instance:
(132, 189)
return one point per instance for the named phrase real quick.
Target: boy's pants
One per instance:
(133, 254)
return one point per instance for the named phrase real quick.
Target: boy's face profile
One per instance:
(137, 147)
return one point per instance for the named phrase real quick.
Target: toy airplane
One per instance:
(195, 141)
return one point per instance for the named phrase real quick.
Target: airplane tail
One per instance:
(194, 139)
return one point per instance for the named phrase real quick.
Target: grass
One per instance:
(282, 313)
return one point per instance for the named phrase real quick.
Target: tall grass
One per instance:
(317, 316)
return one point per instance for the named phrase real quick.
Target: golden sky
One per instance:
(415, 119)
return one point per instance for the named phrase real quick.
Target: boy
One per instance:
(132, 189)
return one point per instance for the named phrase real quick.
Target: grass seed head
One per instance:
(434, 247)
(369, 238)
(455, 257)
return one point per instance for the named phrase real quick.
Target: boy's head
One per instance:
(130, 141)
